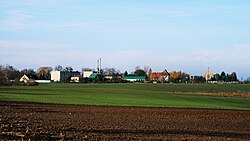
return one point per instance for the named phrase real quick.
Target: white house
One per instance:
(32, 78)
(28, 78)
(24, 79)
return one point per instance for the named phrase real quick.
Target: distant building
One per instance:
(134, 78)
(75, 79)
(28, 78)
(112, 77)
(87, 73)
(208, 75)
(160, 76)
(43, 81)
(31, 78)
(63, 76)
(96, 77)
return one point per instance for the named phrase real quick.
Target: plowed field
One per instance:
(24, 121)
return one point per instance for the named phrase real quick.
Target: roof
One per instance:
(94, 75)
(134, 77)
(32, 76)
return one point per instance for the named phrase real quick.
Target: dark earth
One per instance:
(29, 121)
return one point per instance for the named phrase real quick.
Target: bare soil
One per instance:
(29, 121)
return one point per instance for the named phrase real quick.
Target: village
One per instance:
(109, 75)
(9, 75)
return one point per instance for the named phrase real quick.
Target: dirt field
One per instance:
(73, 122)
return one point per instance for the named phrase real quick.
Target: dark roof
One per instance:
(32, 76)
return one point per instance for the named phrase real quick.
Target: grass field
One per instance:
(149, 95)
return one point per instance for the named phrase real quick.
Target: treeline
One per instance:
(225, 77)
(9, 75)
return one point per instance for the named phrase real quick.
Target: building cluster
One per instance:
(88, 75)
(11, 76)
(153, 77)
(93, 76)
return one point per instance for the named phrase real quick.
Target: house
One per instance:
(31, 78)
(160, 76)
(208, 75)
(63, 76)
(28, 78)
(132, 78)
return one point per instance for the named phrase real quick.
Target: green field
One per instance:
(149, 95)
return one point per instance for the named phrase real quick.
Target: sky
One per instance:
(179, 35)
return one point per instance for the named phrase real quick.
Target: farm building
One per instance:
(28, 78)
(112, 77)
(63, 76)
(160, 76)
(87, 73)
(32, 78)
(134, 78)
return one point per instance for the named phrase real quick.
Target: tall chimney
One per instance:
(97, 66)
(100, 64)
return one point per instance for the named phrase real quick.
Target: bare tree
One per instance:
(140, 72)
(146, 68)
(58, 68)
(7, 74)
(68, 69)
(138, 67)
(110, 71)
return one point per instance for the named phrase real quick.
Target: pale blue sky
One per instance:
(186, 35)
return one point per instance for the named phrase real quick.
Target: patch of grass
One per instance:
(149, 95)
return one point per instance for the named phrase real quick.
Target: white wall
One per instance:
(86, 74)
(43, 81)
(55, 76)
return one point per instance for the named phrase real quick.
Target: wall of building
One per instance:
(55, 76)
(86, 74)
(62, 76)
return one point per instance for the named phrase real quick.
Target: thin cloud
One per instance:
(232, 59)
(15, 20)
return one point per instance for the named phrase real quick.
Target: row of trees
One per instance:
(225, 77)
(9, 74)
